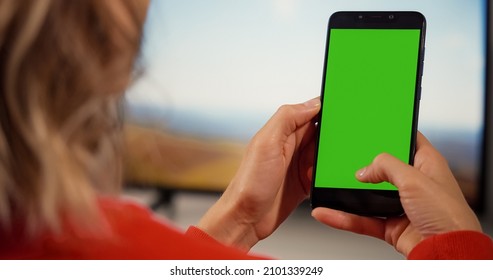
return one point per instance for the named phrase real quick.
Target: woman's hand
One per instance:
(429, 194)
(273, 179)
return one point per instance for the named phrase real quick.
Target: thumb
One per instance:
(386, 168)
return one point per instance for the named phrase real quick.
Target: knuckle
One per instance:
(256, 142)
(434, 157)
(381, 159)
(284, 109)
(261, 142)
(441, 159)
(407, 182)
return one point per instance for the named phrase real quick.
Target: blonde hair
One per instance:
(63, 67)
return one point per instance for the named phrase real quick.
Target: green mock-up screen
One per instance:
(368, 103)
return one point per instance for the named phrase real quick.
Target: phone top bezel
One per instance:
(377, 20)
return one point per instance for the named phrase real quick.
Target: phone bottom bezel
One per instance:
(376, 203)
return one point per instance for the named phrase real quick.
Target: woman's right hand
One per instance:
(430, 195)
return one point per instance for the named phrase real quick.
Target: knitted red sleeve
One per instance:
(456, 245)
(198, 234)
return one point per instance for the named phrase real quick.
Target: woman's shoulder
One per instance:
(149, 236)
(128, 230)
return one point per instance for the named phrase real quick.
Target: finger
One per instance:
(431, 162)
(422, 141)
(345, 221)
(289, 118)
(423, 144)
(306, 158)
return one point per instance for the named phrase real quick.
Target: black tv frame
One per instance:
(485, 207)
(486, 190)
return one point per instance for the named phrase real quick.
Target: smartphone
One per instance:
(370, 102)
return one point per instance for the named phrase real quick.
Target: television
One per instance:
(211, 73)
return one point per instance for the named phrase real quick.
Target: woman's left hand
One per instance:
(273, 179)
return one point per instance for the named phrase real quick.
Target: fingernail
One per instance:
(361, 172)
(315, 102)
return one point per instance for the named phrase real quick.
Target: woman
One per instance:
(63, 68)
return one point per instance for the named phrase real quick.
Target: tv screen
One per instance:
(211, 73)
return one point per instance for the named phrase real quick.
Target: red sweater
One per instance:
(137, 234)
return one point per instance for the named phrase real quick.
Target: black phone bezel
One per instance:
(367, 202)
